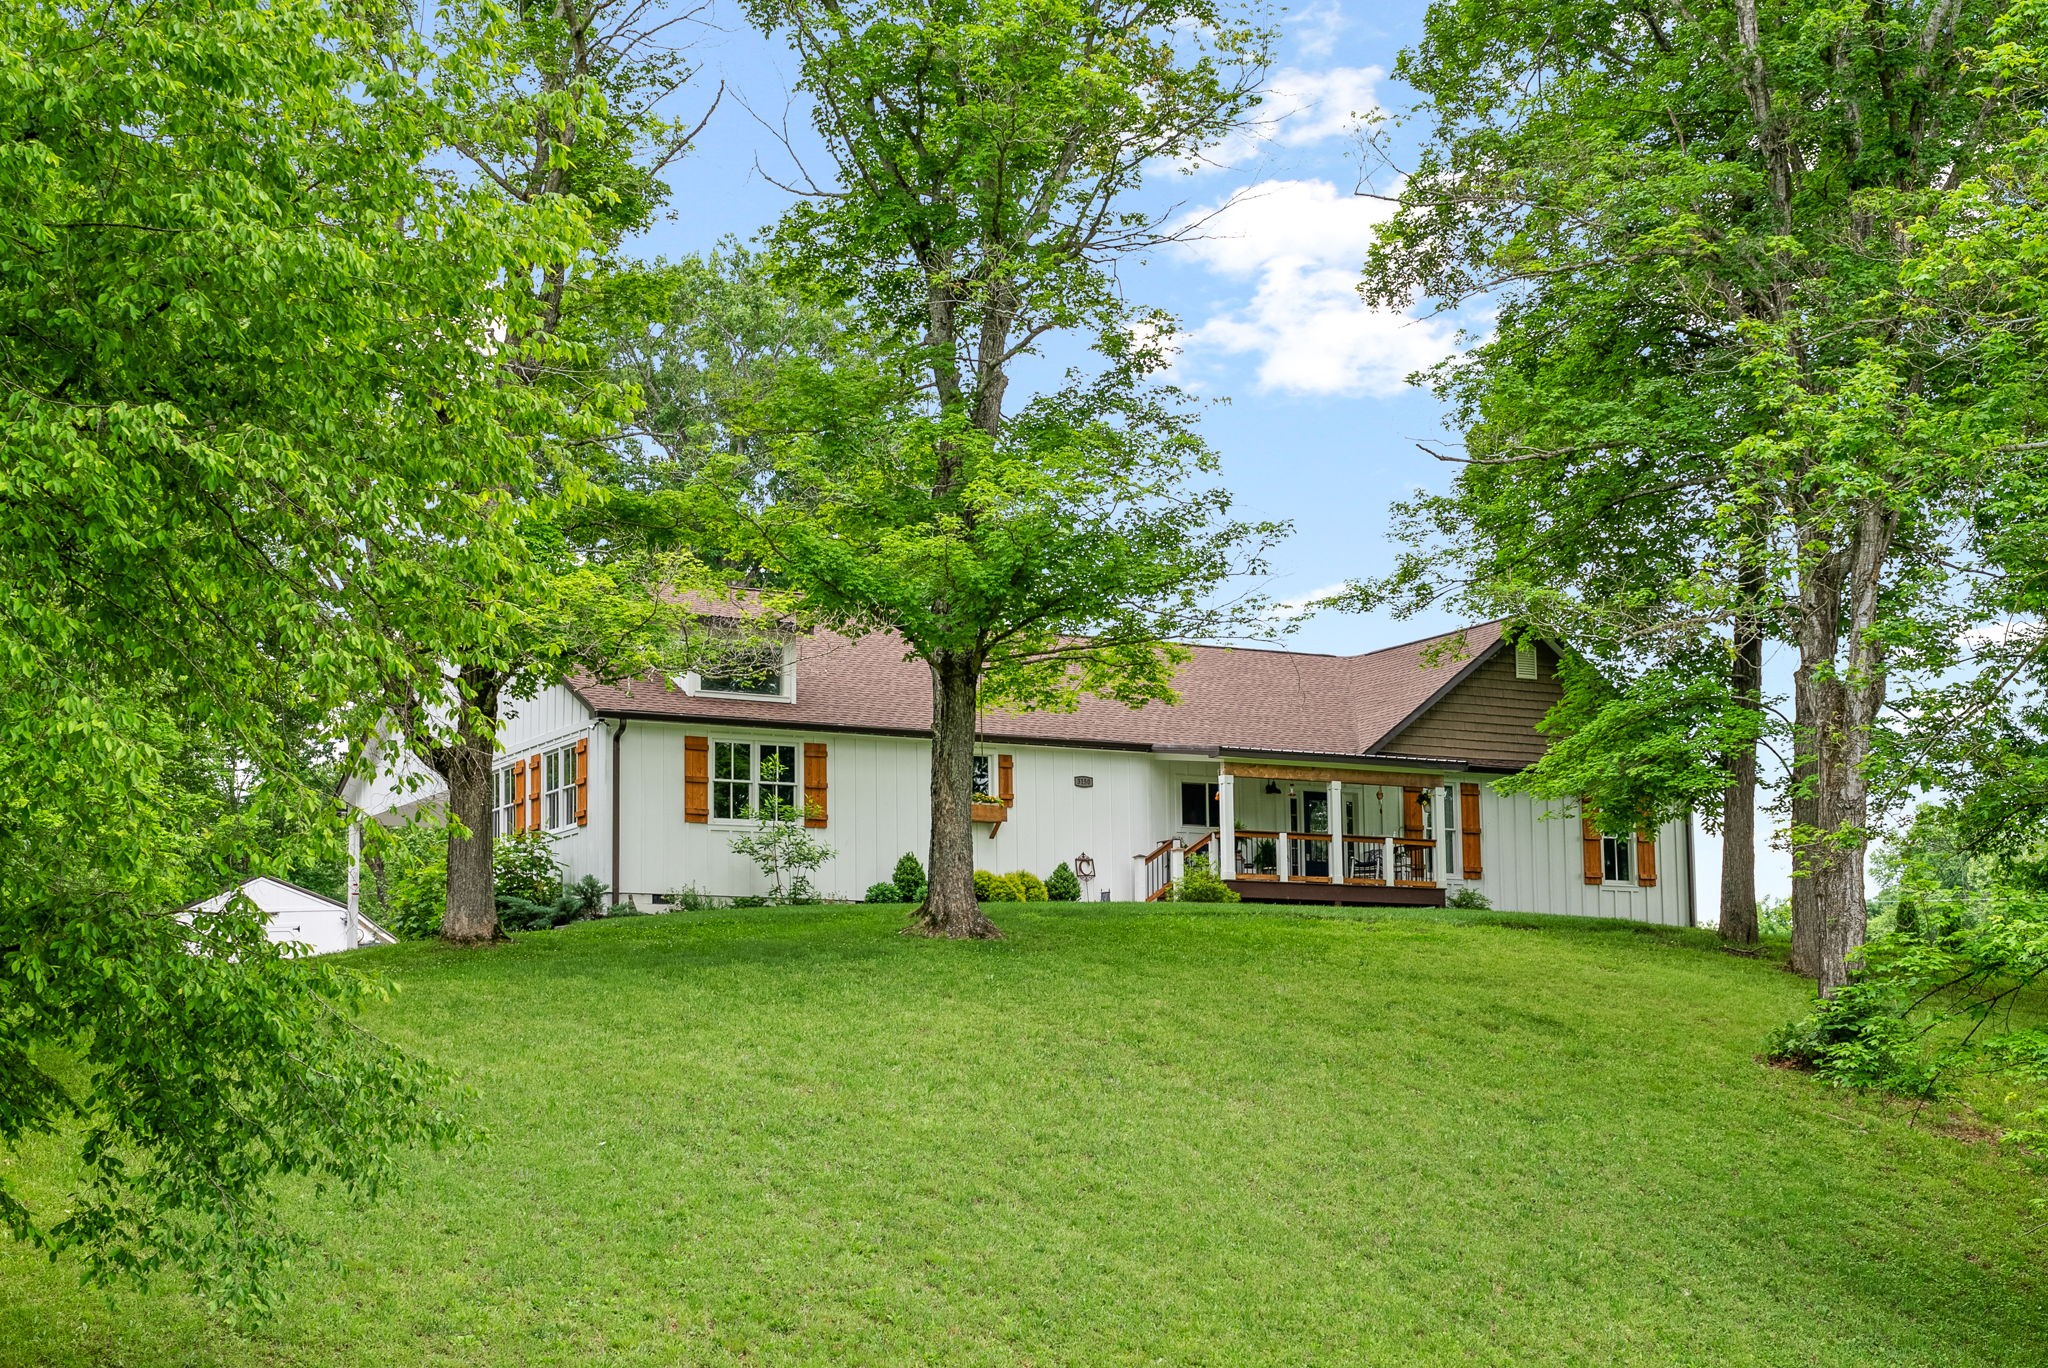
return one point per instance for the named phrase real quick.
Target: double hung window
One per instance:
(752, 779)
(558, 788)
(502, 806)
(1618, 859)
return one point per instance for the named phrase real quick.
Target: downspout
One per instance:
(618, 732)
(1692, 878)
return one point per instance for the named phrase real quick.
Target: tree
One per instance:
(1761, 186)
(984, 154)
(250, 343)
(561, 104)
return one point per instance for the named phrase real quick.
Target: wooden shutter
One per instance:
(1590, 837)
(1411, 813)
(582, 781)
(814, 784)
(1646, 860)
(533, 792)
(696, 779)
(1006, 782)
(1468, 829)
(518, 795)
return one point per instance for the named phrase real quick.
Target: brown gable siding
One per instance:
(1488, 718)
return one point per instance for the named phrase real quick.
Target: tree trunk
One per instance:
(1839, 700)
(950, 909)
(1738, 801)
(471, 917)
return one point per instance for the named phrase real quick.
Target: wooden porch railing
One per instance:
(1369, 859)
(1157, 875)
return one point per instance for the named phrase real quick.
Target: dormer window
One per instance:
(766, 672)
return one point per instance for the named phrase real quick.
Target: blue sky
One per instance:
(1309, 409)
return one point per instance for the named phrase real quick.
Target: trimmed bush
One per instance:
(883, 893)
(1029, 885)
(984, 885)
(1002, 888)
(1199, 884)
(1062, 886)
(909, 879)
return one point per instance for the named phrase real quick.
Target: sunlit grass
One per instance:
(1123, 1136)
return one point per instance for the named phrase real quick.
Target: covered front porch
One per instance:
(1299, 833)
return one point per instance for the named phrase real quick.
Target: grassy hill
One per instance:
(1122, 1136)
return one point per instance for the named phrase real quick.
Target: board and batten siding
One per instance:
(557, 717)
(879, 803)
(1490, 716)
(1534, 861)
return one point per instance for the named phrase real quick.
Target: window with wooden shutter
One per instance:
(696, 779)
(583, 781)
(814, 784)
(519, 795)
(1590, 838)
(1006, 781)
(533, 791)
(1468, 829)
(1646, 860)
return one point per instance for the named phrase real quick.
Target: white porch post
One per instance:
(1176, 863)
(1445, 832)
(352, 925)
(1226, 818)
(1336, 825)
(1283, 857)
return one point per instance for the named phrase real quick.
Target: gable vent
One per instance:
(1525, 660)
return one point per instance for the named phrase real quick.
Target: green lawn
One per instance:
(1122, 1137)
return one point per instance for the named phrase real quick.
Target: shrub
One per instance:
(1062, 886)
(1199, 884)
(984, 886)
(883, 893)
(1001, 888)
(783, 849)
(406, 890)
(523, 866)
(910, 880)
(579, 901)
(1029, 885)
(1469, 898)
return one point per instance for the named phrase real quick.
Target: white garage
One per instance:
(300, 917)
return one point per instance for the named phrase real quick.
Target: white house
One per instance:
(1365, 779)
(299, 917)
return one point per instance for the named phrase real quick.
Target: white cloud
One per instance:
(1300, 108)
(1316, 27)
(1300, 605)
(2011, 632)
(1301, 243)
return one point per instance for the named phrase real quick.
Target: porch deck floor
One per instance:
(1335, 895)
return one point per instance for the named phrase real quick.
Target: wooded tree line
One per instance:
(1765, 373)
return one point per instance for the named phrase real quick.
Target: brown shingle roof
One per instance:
(1230, 698)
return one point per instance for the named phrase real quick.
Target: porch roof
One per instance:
(1237, 700)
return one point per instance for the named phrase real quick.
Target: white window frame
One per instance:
(985, 775)
(1616, 852)
(741, 794)
(692, 683)
(558, 788)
